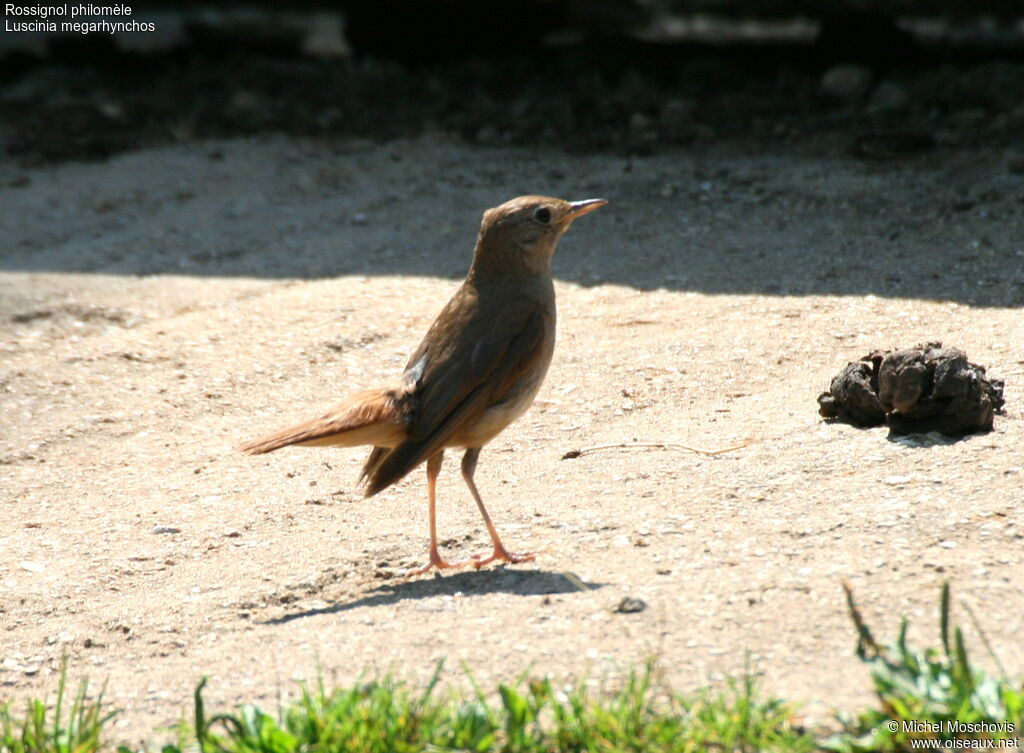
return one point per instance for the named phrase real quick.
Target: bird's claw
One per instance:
(503, 555)
(477, 561)
(435, 561)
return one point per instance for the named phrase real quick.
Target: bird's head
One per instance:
(521, 234)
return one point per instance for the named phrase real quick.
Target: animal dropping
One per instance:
(922, 389)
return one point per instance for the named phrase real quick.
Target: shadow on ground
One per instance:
(725, 236)
(515, 582)
(729, 171)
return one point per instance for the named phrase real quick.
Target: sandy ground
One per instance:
(157, 309)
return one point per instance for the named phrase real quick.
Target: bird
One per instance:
(478, 368)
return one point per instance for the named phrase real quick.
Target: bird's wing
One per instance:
(459, 381)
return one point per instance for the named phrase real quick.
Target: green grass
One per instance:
(528, 717)
(388, 716)
(923, 692)
(934, 686)
(74, 728)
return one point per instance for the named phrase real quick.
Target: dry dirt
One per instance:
(157, 309)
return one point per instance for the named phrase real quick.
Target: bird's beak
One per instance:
(580, 208)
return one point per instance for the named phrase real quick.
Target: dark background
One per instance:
(887, 79)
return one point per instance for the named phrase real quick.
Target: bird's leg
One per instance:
(433, 469)
(500, 552)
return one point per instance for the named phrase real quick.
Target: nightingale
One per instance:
(476, 371)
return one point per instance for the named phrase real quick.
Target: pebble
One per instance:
(165, 529)
(325, 37)
(631, 605)
(888, 97)
(846, 82)
(639, 122)
(897, 480)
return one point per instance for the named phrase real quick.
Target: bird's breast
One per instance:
(514, 403)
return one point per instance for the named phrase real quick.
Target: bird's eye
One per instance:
(542, 215)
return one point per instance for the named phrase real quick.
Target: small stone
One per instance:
(631, 605)
(325, 37)
(111, 110)
(677, 112)
(32, 567)
(846, 82)
(639, 122)
(165, 529)
(888, 97)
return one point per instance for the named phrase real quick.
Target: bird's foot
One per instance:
(501, 554)
(435, 561)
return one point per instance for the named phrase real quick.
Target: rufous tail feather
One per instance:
(369, 417)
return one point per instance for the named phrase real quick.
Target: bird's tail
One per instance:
(371, 417)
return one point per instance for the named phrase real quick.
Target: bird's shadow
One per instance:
(500, 580)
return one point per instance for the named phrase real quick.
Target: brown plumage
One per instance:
(478, 368)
